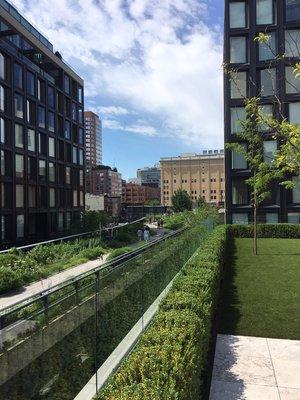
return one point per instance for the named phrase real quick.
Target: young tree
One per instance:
(181, 201)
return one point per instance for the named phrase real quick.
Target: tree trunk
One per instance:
(255, 229)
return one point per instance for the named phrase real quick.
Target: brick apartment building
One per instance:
(138, 194)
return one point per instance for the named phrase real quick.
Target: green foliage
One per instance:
(171, 359)
(9, 279)
(181, 201)
(118, 252)
(266, 231)
(90, 221)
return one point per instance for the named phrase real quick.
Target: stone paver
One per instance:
(249, 368)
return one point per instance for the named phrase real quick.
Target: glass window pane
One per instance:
(238, 85)
(52, 197)
(294, 113)
(237, 14)
(238, 114)
(272, 218)
(267, 112)
(51, 97)
(51, 121)
(67, 130)
(267, 51)
(292, 84)
(238, 49)
(292, 10)
(2, 66)
(270, 148)
(42, 117)
(20, 226)
(2, 130)
(294, 218)
(18, 76)
(30, 83)
(31, 139)
(268, 82)
(51, 147)
(42, 169)
(292, 41)
(19, 196)
(238, 160)
(2, 98)
(240, 192)
(51, 172)
(264, 12)
(19, 106)
(31, 196)
(75, 198)
(74, 155)
(240, 218)
(296, 189)
(19, 136)
(19, 166)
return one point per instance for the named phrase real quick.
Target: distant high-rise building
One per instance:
(93, 139)
(201, 175)
(149, 176)
(104, 180)
(259, 72)
(42, 135)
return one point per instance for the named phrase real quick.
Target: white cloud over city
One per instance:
(156, 62)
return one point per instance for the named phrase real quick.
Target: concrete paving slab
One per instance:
(287, 373)
(284, 349)
(240, 391)
(289, 394)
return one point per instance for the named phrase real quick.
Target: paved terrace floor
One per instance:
(250, 368)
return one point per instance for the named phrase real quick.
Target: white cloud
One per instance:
(155, 58)
(140, 127)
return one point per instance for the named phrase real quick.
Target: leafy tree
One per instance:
(181, 201)
(201, 201)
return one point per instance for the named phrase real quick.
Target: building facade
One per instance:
(258, 72)
(149, 176)
(138, 194)
(93, 143)
(105, 181)
(109, 204)
(202, 176)
(42, 135)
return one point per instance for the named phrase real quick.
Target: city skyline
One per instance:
(130, 55)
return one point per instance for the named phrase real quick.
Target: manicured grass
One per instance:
(261, 294)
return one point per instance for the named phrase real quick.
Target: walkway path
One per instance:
(250, 368)
(15, 296)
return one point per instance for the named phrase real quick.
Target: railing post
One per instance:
(46, 308)
(76, 284)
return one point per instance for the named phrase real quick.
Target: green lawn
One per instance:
(261, 294)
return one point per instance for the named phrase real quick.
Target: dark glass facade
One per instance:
(260, 73)
(42, 150)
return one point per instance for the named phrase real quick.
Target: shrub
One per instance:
(171, 358)
(289, 231)
(118, 252)
(9, 279)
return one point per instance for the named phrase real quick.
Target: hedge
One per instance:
(171, 358)
(288, 231)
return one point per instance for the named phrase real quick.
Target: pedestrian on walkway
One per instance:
(147, 234)
(140, 234)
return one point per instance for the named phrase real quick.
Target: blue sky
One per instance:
(152, 71)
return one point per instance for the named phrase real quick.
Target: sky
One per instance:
(152, 71)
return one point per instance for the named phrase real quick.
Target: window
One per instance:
(41, 90)
(80, 136)
(81, 200)
(3, 132)
(68, 175)
(67, 84)
(238, 49)
(42, 117)
(67, 130)
(18, 76)
(80, 115)
(52, 197)
(2, 98)
(51, 97)
(270, 148)
(30, 112)
(42, 144)
(42, 170)
(19, 196)
(238, 85)
(237, 14)
(268, 82)
(238, 160)
(75, 198)
(238, 114)
(240, 192)
(294, 218)
(80, 156)
(30, 83)
(31, 196)
(68, 220)
(51, 121)
(60, 221)
(51, 141)
(19, 136)
(20, 226)
(19, 166)
(264, 12)
(32, 168)
(271, 218)
(81, 177)
(296, 189)
(19, 106)
(267, 112)
(2, 66)
(292, 84)
(80, 94)
(294, 113)
(74, 112)
(51, 172)
(267, 51)
(292, 38)
(31, 139)
(240, 218)
(74, 155)
(292, 10)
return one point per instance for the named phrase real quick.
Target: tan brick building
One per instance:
(201, 175)
(133, 193)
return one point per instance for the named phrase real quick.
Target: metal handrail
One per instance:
(113, 264)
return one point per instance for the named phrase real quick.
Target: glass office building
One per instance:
(258, 72)
(42, 135)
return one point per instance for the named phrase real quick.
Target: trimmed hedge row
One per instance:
(289, 231)
(171, 358)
